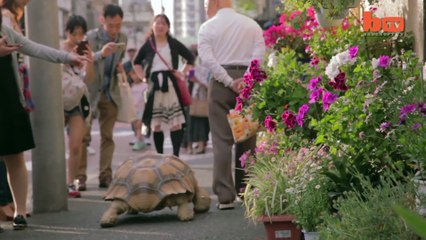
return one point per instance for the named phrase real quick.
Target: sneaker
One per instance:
(225, 206)
(73, 192)
(138, 146)
(19, 223)
(135, 140)
(81, 184)
(147, 141)
(90, 150)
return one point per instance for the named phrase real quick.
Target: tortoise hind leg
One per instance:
(184, 212)
(110, 217)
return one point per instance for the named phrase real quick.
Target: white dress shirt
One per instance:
(229, 38)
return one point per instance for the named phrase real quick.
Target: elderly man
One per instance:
(227, 43)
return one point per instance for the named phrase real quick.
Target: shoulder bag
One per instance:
(185, 95)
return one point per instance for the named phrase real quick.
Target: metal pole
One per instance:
(48, 158)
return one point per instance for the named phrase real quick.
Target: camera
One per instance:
(82, 46)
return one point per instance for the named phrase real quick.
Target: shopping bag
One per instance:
(199, 108)
(243, 126)
(126, 112)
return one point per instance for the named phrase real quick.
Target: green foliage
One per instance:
(334, 7)
(368, 215)
(414, 221)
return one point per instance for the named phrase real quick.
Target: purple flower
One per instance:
(422, 108)
(353, 52)
(416, 126)
(384, 61)
(303, 110)
(289, 119)
(327, 99)
(385, 126)
(270, 123)
(315, 95)
(314, 82)
(405, 110)
(239, 105)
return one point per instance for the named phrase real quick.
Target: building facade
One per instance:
(188, 17)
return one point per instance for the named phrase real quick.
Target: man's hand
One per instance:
(108, 49)
(5, 48)
(237, 85)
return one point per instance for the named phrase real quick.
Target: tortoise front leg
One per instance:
(185, 213)
(110, 217)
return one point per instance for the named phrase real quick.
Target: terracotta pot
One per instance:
(280, 228)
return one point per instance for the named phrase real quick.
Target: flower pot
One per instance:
(280, 228)
(421, 191)
(311, 235)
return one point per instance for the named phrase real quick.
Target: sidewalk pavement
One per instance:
(81, 221)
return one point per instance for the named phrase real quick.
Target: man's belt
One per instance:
(235, 67)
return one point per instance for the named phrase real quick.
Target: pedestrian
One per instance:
(138, 90)
(158, 61)
(199, 127)
(12, 13)
(109, 46)
(227, 43)
(75, 31)
(15, 127)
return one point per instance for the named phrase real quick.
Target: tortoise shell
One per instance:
(145, 182)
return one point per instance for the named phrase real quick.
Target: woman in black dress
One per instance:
(15, 127)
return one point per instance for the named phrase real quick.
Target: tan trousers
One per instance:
(221, 100)
(107, 114)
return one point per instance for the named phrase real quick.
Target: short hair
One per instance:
(75, 21)
(112, 10)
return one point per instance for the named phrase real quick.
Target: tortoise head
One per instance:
(201, 200)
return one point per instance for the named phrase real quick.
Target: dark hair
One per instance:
(10, 5)
(162, 15)
(112, 10)
(75, 21)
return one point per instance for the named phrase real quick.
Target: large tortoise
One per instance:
(151, 182)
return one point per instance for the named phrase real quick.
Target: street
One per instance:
(81, 221)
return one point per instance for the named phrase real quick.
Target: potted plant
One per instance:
(265, 196)
(309, 188)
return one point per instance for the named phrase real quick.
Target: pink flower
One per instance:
(274, 149)
(303, 110)
(314, 82)
(270, 123)
(385, 126)
(345, 24)
(244, 157)
(260, 148)
(289, 119)
(246, 93)
(328, 98)
(314, 61)
(384, 61)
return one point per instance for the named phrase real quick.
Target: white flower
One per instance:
(272, 60)
(343, 57)
(317, 186)
(375, 63)
(332, 70)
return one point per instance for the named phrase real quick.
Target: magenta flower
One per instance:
(246, 93)
(405, 110)
(239, 105)
(345, 24)
(303, 110)
(422, 108)
(328, 98)
(315, 95)
(339, 82)
(384, 61)
(353, 52)
(274, 149)
(314, 82)
(289, 119)
(385, 126)
(270, 123)
(416, 126)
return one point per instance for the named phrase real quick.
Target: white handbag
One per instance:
(126, 112)
(73, 88)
